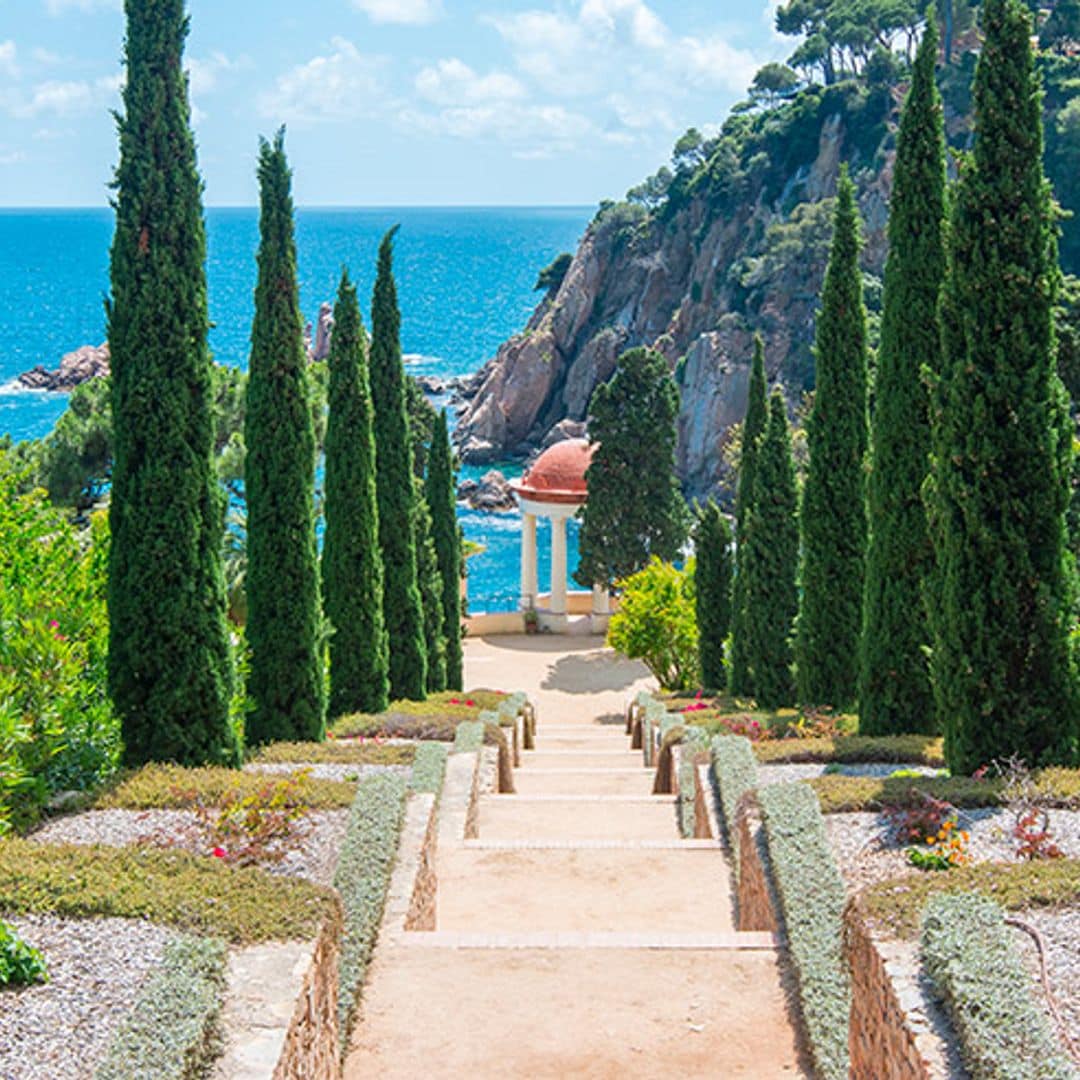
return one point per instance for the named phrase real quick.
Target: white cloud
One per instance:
(342, 85)
(203, 73)
(46, 57)
(63, 97)
(11, 157)
(453, 82)
(407, 12)
(8, 63)
(61, 7)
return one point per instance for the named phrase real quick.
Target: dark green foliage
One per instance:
(352, 569)
(1002, 438)
(635, 510)
(757, 418)
(403, 614)
(834, 501)
(712, 592)
(551, 277)
(441, 494)
(169, 666)
(894, 686)
(430, 584)
(284, 611)
(771, 563)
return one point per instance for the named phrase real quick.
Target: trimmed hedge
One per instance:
(429, 768)
(333, 752)
(735, 773)
(434, 718)
(970, 957)
(895, 905)
(363, 879)
(172, 787)
(172, 1033)
(853, 749)
(469, 737)
(243, 905)
(811, 895)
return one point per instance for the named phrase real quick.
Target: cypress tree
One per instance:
(757, 415)
(284, 610)
(429, 581)
(894, 686)
(771, 563)
(441, 494)
(712, 592)
(834, 500)
(1002, 442)
(169, 664)
(352, 570)
(402, 609)
(635, 509)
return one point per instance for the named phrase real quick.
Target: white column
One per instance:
(529, 587)
(601, 600)
(558, 565)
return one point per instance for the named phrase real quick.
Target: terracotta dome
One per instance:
(558, 474)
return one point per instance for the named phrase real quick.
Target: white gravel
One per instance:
(1060, 931)
(789, 773)
(61, 1030)
(326, 770)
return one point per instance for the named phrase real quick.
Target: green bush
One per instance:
(469, 737)
(20, 964)
(172, 1033)
(990, 999)
(429, 768)
(811, 894)
(334, 753)
(655, 623)
(735, 773)
(363, 878)
(853, 749)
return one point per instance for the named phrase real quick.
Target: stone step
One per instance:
(507, 817)
(584, 890)
(585, 743)
(582, 759)
(585, 781)
(731, 941)
(592, 845)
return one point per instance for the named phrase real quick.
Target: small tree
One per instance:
(757, 415)
(430, 583)
(771, 561)
(441, 495)
(712, 544)
(635, 510)
(352, 560)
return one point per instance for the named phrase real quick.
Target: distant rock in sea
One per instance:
(491, 493)
(82, 365)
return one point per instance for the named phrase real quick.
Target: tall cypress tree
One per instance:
(441, 494)
(430, 583)
(712, 592)
(352, 570)
(894, 685)
(834, 500)
(771, 561)
(402, 609)
(284, 609)
(1002, 442)
(169, 665)
(757, 415)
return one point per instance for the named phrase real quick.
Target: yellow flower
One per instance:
(931, 839)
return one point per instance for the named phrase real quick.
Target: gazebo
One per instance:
(554, 488)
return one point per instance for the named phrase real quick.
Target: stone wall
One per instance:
(756, 902)
(423, 901)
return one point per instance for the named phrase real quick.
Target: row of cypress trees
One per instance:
(170, 670)
(936, 584)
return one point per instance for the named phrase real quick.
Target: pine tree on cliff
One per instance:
(712, 592)
(834, 501)
(352, 569)
(441, 494)
(771, 561)
(894, 686)
(402, 608)
(757, 416)
(169, 665)
(1002, 441)
(635, 509)
(430, 584)
(282, 582)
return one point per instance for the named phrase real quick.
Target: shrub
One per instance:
(811, 894)
(987, 992)
(172, 1032)
(655, 623)
(469, 737)
(20, 964)
(429, 768)
(363, 878)
(735, 773)
(334, 752)
(853, 749)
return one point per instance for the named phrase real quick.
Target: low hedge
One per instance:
(971, 960)
(173, 1033)
(840, 794)
(811, 895)
(895, 906)
(363, 879)
(243, 905)
(853, 749)
(435, 718)
(735, 773)
(333, 752)
(469, 737)
(429, 768)
(171, 787)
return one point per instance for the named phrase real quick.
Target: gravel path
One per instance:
(326, 770)
(322, 834)
(788, 773)
(1060, 931)
(61, 1030)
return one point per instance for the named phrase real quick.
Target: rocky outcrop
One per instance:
(491, 493)
(82, 365)
(324, 328)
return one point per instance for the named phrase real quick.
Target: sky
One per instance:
(387, 102)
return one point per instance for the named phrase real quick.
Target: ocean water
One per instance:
(464, 275)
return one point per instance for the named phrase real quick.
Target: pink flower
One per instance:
(53, 624)
(980, 772)
(219, 853)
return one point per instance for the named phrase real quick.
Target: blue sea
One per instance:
(465, 279)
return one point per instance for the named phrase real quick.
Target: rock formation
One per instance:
(82, 365)
(491, 493)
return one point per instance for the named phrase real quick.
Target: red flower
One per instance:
(980, 772)
(471, 704)
(219, 853)
(331, 735)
